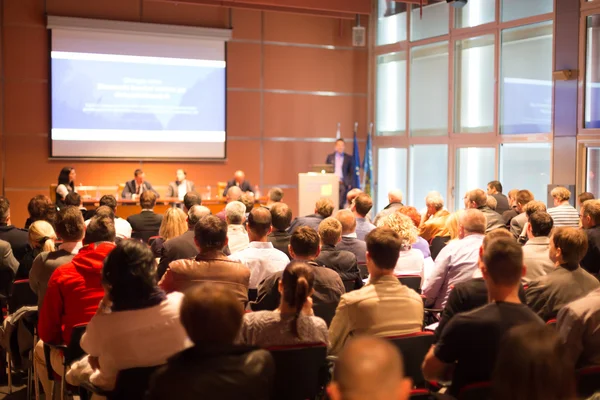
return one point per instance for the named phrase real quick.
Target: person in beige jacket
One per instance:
(211, 266)
(384, 307)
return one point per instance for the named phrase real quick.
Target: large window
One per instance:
(592, 174)
(476, 12)
(517, 9)
(592, 73)
(427, 172)
(474, 85)
(429, 90)
(526, 79)
(475, 167)
(526, 166)
(433, 23)
(391, 22)
(391, 173)
(391, 94)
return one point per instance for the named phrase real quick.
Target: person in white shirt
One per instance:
(181, 186)
(260, 255)
(536, 252)
(235, 215)
(122, 227)
(563, 213)
(411, 261)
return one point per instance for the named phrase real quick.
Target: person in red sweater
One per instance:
(74, 292)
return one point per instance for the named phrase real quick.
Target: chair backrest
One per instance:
(132, 384)
(551, 322)
(364, 272)
(411, 281)
(74, 350)
(588, 381)
(300, 371)
(414, 348)
(52, 193)
(21, 295)
(7, 275)
(476, 391)
(349, 284)
(420, 394)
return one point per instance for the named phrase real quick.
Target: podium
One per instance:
(314, 185)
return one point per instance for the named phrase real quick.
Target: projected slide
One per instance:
(129, 105)
(527, 106)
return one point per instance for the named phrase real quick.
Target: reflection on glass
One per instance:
(475, 167)
(526, 166)
(391, 174)
(592, 73)
(433, 23)
(474, 85)
(516, 9)
(429, 90)
(428, 166)
(526, 79)
(391, 22)
(592, 175)
(476, 12)
(391, 94)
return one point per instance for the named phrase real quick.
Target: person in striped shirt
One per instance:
(563, 213)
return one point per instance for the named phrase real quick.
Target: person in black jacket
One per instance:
(215, 368)
(147, 223)
(342, 167)
(135, 187)
(281, 217)
(590, 221)
(239, 180)
(18, 238)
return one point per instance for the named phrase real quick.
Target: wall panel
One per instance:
(122, 10)
(185, 14)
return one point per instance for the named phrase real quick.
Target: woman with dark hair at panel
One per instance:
(40, 207)
(531, 365)
(137, 324)
(66, 185)
(294, 321)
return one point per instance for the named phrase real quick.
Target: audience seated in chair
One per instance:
(563, 213)
(73, 294)
(71, 229)
(517, 224)
(122, 227)
(411, 261)
(274, 196)
(421, 244)
(590, 222)
(137, 324)
(494, 191)
(8, 262)
(471, 340)
(147, 223)
(235, 216)
(191, 199)
(361, 206)
(18, 238)
(233, 193)
(323, 209)
(215, 368)
(40, 207)
(174, 224)
(281, 218)
(74, 199)
(477, 199)
(395, 201)
(369, 368)
(41, 238)
(350, 241)
(210, 266)
(433, 223)
(451, 228)
(293, 322)
(536, 252)
(384, 307)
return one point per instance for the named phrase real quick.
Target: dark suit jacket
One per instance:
(347, 172)
(18, 239)
(591, 261)
(280, 241)
(502, 201)
(145, 225)
(310, 220)
(177, 249)
(173, 190)
(130, 188)
(341, 261)
(245, 186)
(354, 246)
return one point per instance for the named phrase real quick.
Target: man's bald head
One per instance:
(395, 196)
(259, 223)
(239, 176)
(233, 194)
(348, 221)
(352, 194)
(369, 368)
(472, 221)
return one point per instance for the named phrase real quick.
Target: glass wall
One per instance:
(433, 23)
(391, 22)
(427, 172)
(592, 174)
(526, 166)
(475, 167)
(476, 12)
(391, 174)
(592, 73)
(391, 94)
(517, 9)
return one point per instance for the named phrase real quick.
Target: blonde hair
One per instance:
(330, 231)
(42, 236)
(402, 225)
(452, 224)
(561, 193)
(173, 224)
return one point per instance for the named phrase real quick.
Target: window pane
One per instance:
(592, 73)
(434, 21)
(476, 12)
(391, 94)
(593, 170)
(526, 79)
(516, 9)
(429, 90)
(475, 167)
(428, 166)
(474, 85)
(526, 166)
(391, 22)
(391, 174)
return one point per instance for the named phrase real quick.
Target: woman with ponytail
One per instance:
(41, 238)
(293, 322)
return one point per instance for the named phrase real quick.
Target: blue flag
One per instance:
(356, 164)
(368, 167)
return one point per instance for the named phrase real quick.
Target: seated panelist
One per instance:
(138, 185)
(239, 180)
(181, 186)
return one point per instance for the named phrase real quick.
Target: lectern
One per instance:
(314, 185)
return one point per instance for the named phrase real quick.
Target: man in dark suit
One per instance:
(147, 223)
(183, 246)
(281, 217)
(349, 240)
(138, 185)
(342, 167)
(494, 189)
(18, 238)
(239, 180)
(323, 209)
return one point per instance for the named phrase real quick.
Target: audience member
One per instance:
(41, 238)
(563, 213)
(122, 227)
(421, 244)
(72, 297)
(323, 209)
(451, 230)
(294, 321)
(137, 324)
(457, 261)
(147, 223)
(239, 181)
(211, 265)
(583, 197)
(182, 246)
(343, 168)
(40, 207)
(174, 224)
(8, 266)
(568, 282)
(281, 218)
(18, 238)
(215, 368)
(328, 286)
(590, 222)
(494, 190)
(234, 193)
(410, 261)
(369, 368)
(181, 186)
(349, 241)
(275, 195)
(71, 229)
(235, 216)
(191, 199)
(74, 199)
(384, 307)
(395, 201)
(531, 366)
(351, 195)
(260, 256)
(492, 203)
(434, 221)
(138, 185)
(518, 223)
(531, 207)
(536, 252)
(66, 185)
(478, 199)
(247, 199)
(512, 212)
(471, 340)
(361, 206)
(341, 261)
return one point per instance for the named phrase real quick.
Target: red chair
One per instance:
(551, 322)
(414, 348)
(411, 281)
(588, 381)
(420, 394)
(476, 391)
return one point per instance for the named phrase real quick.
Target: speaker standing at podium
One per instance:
(342, 167)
